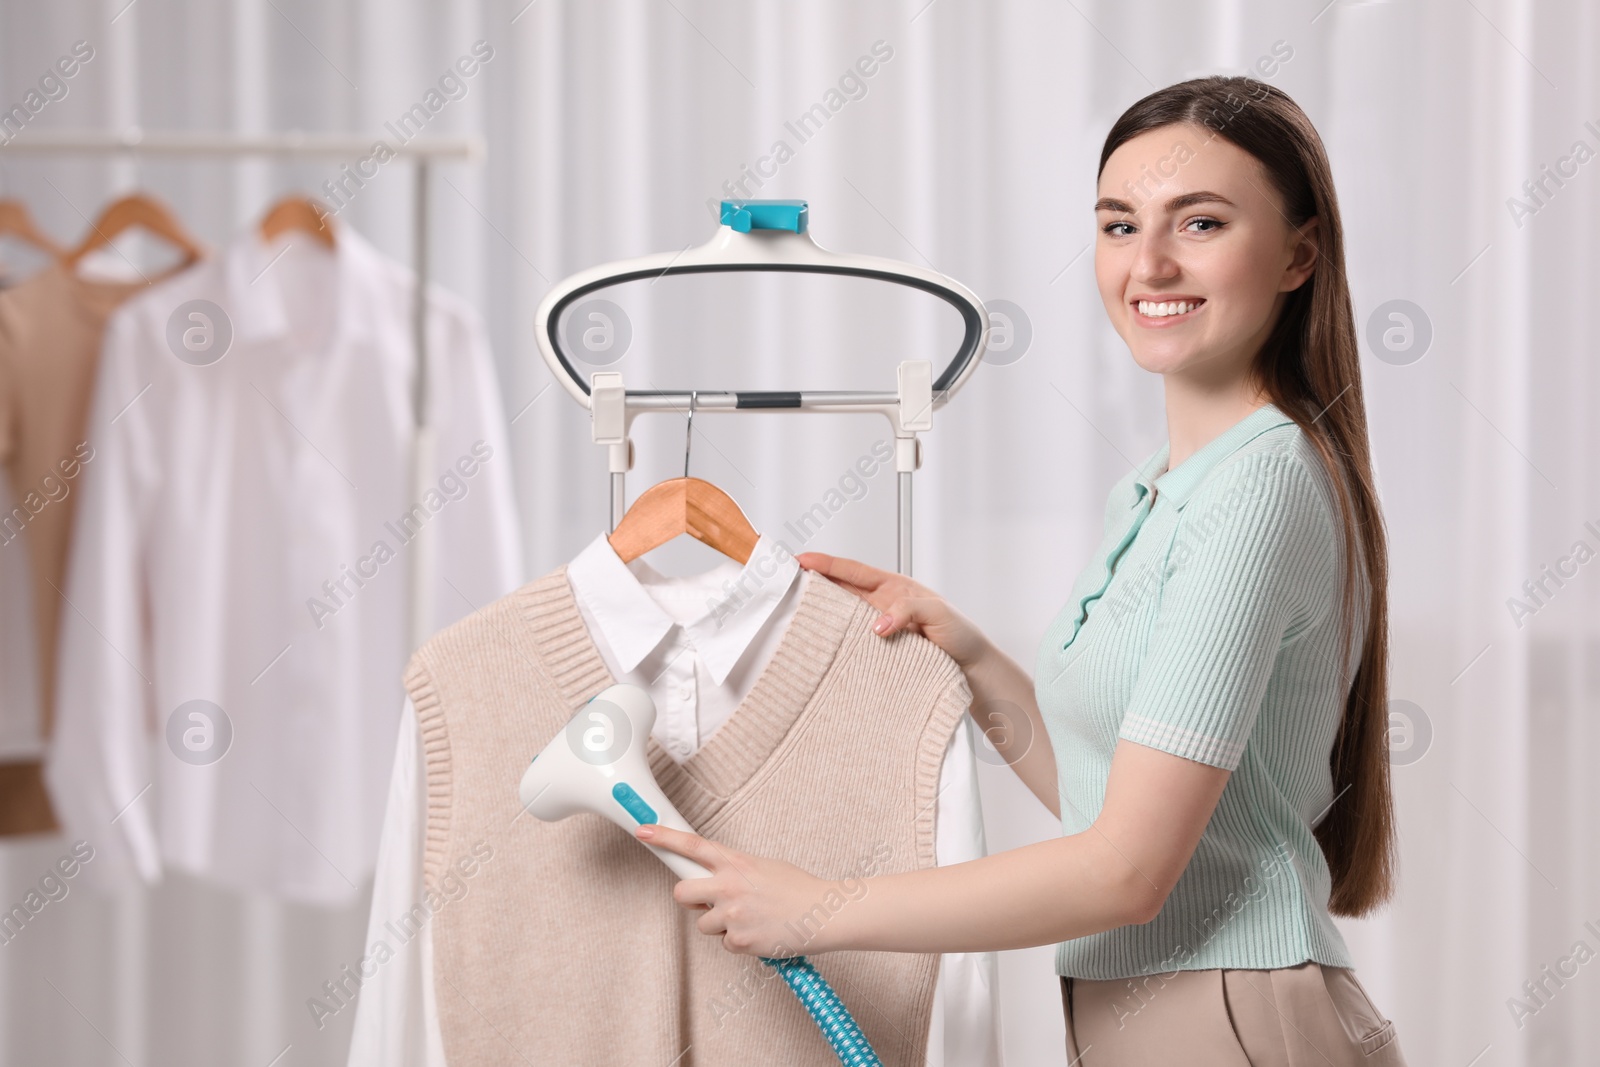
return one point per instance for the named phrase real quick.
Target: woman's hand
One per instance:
(759, 906)
(906, 605)
(1004, 705)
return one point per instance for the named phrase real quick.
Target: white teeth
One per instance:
(1161, 309)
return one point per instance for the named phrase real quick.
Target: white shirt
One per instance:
(697, 644)
(243, 538)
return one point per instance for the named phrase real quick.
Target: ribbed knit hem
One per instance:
(435, 765)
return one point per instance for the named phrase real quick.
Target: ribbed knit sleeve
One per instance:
(1250, 569)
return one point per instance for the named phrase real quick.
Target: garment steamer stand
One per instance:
(584, 768)
(766, 235)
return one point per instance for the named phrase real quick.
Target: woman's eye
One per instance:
(1211, 226)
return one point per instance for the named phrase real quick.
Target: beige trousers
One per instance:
(1305, 1016)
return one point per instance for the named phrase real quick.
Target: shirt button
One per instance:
(680, 748)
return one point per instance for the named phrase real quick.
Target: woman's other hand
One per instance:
(905, 605)
(1004, 705)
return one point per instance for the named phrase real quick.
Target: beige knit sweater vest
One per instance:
(565, 946)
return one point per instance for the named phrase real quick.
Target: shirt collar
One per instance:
(256, 304)
(739, 600)
(1178, 484)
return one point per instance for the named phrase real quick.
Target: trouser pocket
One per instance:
(1308, 1014)
(1367, 1027)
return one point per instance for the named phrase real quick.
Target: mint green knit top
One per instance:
(1207, 626)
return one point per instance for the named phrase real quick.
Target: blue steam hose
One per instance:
(826, 1010)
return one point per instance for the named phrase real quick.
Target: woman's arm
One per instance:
(1117, 872)
(1003, 701)
(1007, 711)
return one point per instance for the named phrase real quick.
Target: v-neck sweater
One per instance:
(831, 761)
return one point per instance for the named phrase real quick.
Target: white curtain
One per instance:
(972, 147)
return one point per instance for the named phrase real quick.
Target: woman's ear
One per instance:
(1304, 254)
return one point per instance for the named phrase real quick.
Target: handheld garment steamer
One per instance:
(597, 764)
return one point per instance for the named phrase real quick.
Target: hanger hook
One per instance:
(688, 432)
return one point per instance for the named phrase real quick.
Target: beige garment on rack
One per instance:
(831, 761)
(50, 331)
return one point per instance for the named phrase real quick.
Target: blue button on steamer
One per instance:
(633, 803)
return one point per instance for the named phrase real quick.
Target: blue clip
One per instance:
(747, 215)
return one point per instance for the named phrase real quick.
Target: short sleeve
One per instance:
(1250, 568)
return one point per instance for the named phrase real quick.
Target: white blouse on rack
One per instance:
(237, 589)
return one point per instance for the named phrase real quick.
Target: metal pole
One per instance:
(619, 499)
(421, 559)
(902, 559)
(419, 304)
(184, 143)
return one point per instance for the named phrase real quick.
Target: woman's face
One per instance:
(1188, 218)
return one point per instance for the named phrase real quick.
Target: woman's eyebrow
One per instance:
(1177, 203)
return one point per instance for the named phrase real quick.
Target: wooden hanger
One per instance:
(15, 221)
(684, 505)
(300, 213)
(146, 212)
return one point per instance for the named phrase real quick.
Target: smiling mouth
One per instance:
(1163, 313)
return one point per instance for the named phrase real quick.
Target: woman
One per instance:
(1207, 714)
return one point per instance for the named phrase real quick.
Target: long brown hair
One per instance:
(1310, 368)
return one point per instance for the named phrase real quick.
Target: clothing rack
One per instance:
(420, 151)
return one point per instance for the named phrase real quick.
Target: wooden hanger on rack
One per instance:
(300, 213)
(684, 505)
(15, 221)
(146, 212)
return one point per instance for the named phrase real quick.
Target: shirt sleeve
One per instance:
(396, 1022)
(1251, 567)
(966, 1004)
(98, 761)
